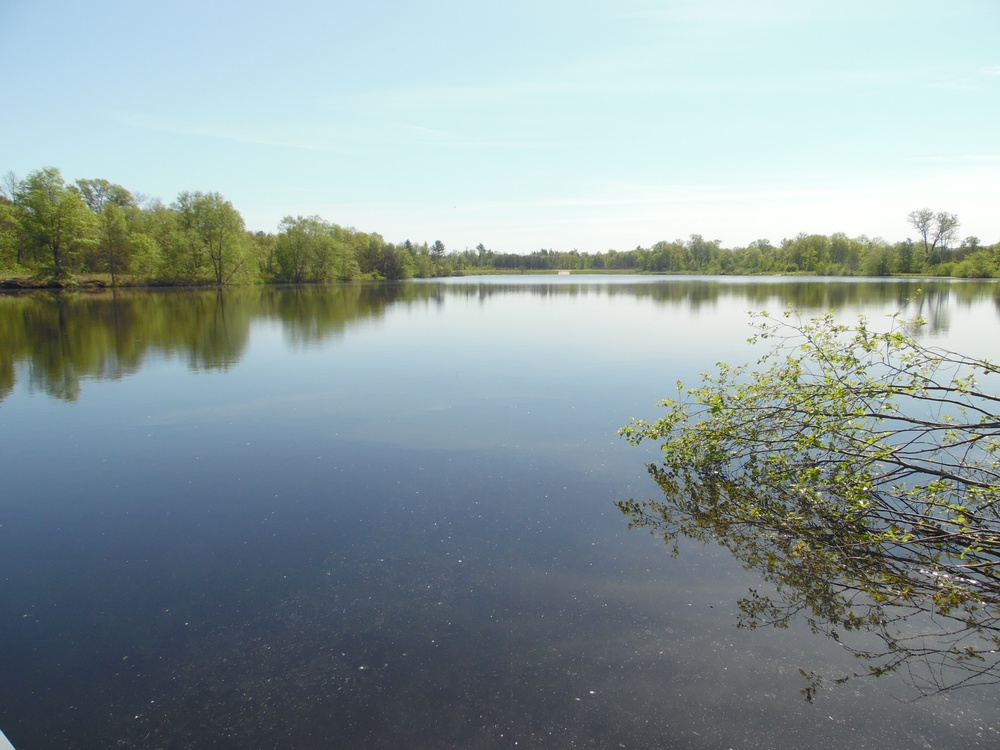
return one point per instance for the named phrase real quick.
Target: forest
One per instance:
(51, 231)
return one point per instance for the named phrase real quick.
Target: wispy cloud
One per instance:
(634, 77)
(986, 159)
(629, 73)
(500, 93)
(309, 142)
(450, 139)
(992, 70)
(730, 13)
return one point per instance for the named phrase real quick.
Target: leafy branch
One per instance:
(858, 471)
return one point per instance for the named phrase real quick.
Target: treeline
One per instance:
(833, 255)
(51, 229)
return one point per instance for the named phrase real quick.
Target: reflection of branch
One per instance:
(859, 475)
(953, 642)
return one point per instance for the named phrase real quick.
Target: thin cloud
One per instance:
(617, 195)
(729, 13)
(223, 132)
(449, 139)
(635, 75)
(507, 93)
(988, 159)
(606, 75)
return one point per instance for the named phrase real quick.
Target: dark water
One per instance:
(383, 516)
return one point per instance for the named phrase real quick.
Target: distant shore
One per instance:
(99, 282)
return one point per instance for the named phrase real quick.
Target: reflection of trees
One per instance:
(61, 345)
(63, 338)
(217, 331)
(817, 295)
(310, 314)
(859, 475)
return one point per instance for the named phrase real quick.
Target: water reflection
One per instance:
(857, 475)
(895, 617)
(62, 339)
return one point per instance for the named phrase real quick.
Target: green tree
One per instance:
(878, 259)
(216, 237)
(421, 261)
(395, 263)
(221, 229)
(54, 219)
(98, 193)
(10, 234)
(183, 250)
(936, 231)
(704, 254)
(112, 206)
(980, 264)
(859, 472)
(159, 246)
(307, 249)
(296, 247)
(265, 246)
(809, 252)
(114, 240)
(482, 255)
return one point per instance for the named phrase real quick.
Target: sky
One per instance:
(522, 124)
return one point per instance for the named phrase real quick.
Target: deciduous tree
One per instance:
(112, 206)
(936, 230)
(308, 249)
(215, 235)
(53, 217)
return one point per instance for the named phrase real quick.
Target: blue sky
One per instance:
(522, 125)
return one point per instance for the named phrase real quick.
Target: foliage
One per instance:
(54, 220)
(10, 232)
(858, 472)
(52, 229)
(936, 230)
(216, 236)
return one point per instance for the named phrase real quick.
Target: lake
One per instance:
(384, 516)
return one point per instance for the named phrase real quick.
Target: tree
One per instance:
(184, 255)
(307, 250)
(98, 193)
(809, 252)
(483, 255)
(296, 247)
(111, 205)
(860, 474)
(10, 225)
(54, 218)
(437, 250)
(114, 240)
(159, 245)
(878, 260)
(936, 230)
(215, 235)
(10, 231)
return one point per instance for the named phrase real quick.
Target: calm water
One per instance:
(383, 516)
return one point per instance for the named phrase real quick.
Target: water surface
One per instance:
(383, 516)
